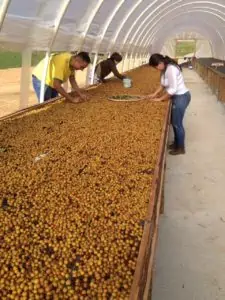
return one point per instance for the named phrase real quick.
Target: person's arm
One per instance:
(155, 94)
(116, 72)
(57, 84)
(76, 88)
(58, 65)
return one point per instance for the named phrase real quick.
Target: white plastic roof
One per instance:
(133, 26)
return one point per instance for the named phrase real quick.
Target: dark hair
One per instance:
(157, 58)
(116, 56)
(84, 56)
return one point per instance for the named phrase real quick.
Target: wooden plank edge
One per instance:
(148, 288)
(147, 292)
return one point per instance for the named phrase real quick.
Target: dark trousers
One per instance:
(49, 91)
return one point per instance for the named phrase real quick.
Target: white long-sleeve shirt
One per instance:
(172, 80)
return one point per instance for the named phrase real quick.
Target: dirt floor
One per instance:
(10, 91)
(10, 88)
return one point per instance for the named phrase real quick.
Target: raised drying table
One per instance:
(142, 278)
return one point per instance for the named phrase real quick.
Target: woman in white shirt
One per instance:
(173, 86)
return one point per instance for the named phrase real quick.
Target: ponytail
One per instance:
(169, 61)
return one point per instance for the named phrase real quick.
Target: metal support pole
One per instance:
(3, 11)
(124, 61)
(88, 72)
(134, 61)
(119, 67)
(93, 67)
(43, 79)
(129, 61)
(25, 77)
(139, 61)
(58, 20)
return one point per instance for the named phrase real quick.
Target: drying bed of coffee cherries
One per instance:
(74, 191)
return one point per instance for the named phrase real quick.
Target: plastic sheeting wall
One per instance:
(135, 28)
(105, 25)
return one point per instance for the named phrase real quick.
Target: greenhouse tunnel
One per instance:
(136, 29)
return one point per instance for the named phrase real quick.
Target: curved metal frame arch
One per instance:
(97, 45)
(160, 43)
(88, 23)
(166, 8)
(106, 25)
(149, 40)
(167, 13)
(199, 27)
(58, 20)
(175, 33)
(218, 33)
(144, 36)
(138, 18)
(130, 30)
(163, 16)
(119, 28)
(149, 23)
(154, 17)
(3, 11)
(157, 8)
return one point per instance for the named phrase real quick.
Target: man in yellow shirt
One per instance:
(61, 67)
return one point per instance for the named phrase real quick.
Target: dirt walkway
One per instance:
(190, 262)
(10, 91)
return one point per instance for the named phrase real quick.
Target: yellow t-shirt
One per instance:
(58, 68)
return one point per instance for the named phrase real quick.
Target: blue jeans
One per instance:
(49, 91)
(179, 105)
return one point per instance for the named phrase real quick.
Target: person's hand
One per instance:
(158, 100)
(76, 100)
(150, 97)
(74, 94)
(84, 97)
